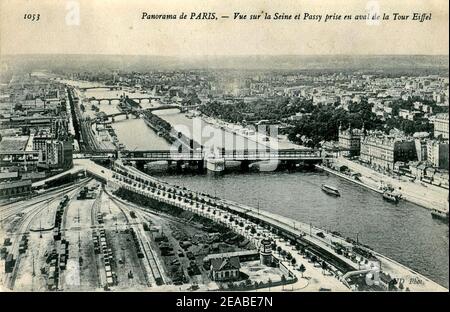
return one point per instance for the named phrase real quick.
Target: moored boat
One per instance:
(439, 214)
(330, 190)
(391, 196)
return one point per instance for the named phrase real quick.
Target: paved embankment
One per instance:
(430, 196)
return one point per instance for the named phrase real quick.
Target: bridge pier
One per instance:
(290, 165)
(245, 165)
(201, 166)
(180, 165)
(140, 165)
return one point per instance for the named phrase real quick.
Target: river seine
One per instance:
(404, 232)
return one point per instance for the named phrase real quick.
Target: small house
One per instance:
(225, 269)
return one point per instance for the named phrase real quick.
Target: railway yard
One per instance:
(81, 237)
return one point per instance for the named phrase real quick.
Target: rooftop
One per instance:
(230, 254)
(219, 264)
(16, 143)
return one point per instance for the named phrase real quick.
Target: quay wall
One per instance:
(430, 197)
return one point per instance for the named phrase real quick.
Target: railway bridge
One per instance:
(137, 99)
(111, 88)
(211, 161)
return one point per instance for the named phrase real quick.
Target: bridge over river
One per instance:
(236, 155)
(138, 99)
(213, 161)
(174, 155)
(150, 109)
(111, 88)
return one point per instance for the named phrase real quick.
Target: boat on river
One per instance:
(391, 196)
(439, 214)
(330, 190)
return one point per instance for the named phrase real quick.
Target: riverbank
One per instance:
(348, 178)
(430, 197)
(324, 242)
(261, 139)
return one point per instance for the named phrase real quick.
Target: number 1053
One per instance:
(32, 17)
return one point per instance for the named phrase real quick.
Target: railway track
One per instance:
(79, 228)
(96, 226)
(16, 207)
(150, 279)
(24, 226)
(155, 268)
(32, 206)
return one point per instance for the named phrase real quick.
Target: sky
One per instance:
(116, 27)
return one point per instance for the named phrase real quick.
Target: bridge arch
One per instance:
(105, 101)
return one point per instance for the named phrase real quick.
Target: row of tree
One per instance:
(320, 122)
(262, 109)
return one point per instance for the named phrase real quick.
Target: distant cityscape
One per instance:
(394, 124)
(82, 141)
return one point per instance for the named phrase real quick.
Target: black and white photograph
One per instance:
(215, 146)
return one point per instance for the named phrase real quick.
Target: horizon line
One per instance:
(220, 55)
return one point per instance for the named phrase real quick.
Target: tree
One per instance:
(279, 250)
(302, 269)
(18, 106)
(289, 256)
(293, 262)
(274, 246)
